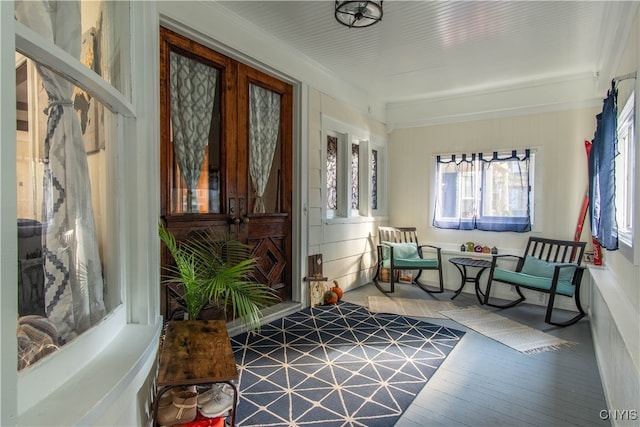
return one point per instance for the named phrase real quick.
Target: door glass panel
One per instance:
(264, 149)
(195, 136)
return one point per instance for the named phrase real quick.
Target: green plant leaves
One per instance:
(215, 268)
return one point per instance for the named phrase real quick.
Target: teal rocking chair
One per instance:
(398, 249)
(549, 266)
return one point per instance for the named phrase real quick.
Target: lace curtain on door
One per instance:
(264, 126)
(74, 288)
(193, 90)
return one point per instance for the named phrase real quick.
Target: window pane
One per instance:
(624, 172)
(102, 47)
(456, 193)
(355, 176)
(195, 136)
(505, 192)
(332, 172)
(62, 210)
(374, 179)
(264, 149)
(500, 203)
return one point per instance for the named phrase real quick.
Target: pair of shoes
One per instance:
(181, 408)
(167, 396)
(215, 402)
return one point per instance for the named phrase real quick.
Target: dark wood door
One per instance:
(225, 193)
(264, 220)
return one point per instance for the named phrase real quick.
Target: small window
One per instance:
(625, 173)
(490, 192)
(332, 173)
(374, 180)
(353, 175)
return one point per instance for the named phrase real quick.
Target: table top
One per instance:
(471, 262)
(196, 352)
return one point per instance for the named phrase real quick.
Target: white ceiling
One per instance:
(428, 49)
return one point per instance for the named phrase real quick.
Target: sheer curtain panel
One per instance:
(264, 127)
(74, 288)
(193, 89)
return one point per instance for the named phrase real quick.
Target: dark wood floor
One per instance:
(485, 383)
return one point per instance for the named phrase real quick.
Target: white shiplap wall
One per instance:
(347, 247)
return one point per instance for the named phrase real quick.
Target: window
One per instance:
(486, 192)
(65, 213)
(374, 180)
(353, 176)
(332, 173)
(625, 174)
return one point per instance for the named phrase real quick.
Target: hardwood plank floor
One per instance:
(485, 383)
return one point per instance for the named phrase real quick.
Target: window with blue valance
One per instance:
(490, 192)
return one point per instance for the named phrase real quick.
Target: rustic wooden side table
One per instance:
(196, 352)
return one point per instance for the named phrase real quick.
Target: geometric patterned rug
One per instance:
(336, 365)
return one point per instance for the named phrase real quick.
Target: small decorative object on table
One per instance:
(494, 250)
(463, 248)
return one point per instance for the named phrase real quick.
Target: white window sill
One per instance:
(88, 394)
(355, 219)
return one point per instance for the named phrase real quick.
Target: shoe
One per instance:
(218, 402)
(226, 388)
(167, 397)
(181, 410)
(204, 398)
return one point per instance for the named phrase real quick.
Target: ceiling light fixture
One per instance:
(358, 14)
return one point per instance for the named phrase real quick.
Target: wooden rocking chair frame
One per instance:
(561, 254)
(404, 235)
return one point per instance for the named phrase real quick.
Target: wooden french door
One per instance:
(226, 197)
(265, 221)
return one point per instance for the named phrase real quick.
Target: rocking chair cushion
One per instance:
(400, 251)
(537, 267)
(412, 264)
(537, 282)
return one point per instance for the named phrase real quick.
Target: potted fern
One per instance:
(217, 269)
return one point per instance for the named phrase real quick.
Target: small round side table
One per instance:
(461, 264)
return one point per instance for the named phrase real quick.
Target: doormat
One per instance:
(336, 365)
(506, 331)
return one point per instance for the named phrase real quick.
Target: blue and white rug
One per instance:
(336, 365)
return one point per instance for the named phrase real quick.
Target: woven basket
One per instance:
(385, 275)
